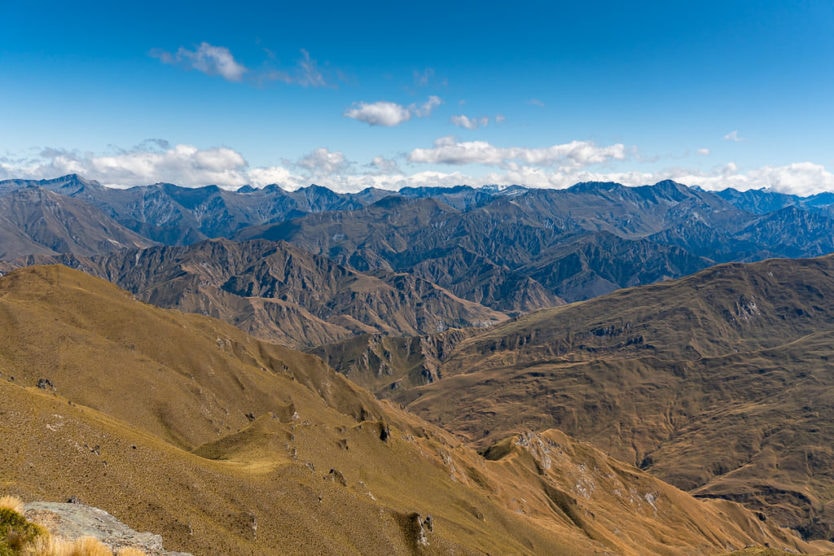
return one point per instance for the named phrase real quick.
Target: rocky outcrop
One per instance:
(72, 521)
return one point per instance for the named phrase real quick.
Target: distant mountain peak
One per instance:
(670, 184)
(273, 188)
(70, 184)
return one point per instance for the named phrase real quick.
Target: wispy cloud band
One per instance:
(558, 166)
(574, 154)
(218, 60)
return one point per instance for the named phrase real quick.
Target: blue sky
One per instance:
(350, 95)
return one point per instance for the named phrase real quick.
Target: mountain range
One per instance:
(503, 328)
(512, 250)
(279, 292)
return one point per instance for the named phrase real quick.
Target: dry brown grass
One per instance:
(148, 421)
(760, 551)
(53, 546)
(718, 383)
(11, 503)
(130, 551)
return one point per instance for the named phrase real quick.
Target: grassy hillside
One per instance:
(720, 383)
(184, 426)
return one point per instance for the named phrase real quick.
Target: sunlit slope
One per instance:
(720, 382)
(184, 426)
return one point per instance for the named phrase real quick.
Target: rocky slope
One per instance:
(521, 251)
(173, 215)
(387, 364)
(278, 292)
(35, 221)
(72, 521)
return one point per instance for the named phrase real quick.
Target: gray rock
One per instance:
(72, 521)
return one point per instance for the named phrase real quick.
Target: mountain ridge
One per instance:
(524, 233)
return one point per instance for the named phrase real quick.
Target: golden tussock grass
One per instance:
(85, 546)
(11, 503)
(16, 532)
(129, 551)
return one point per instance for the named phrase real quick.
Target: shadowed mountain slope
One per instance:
(279, 292)
(387, 364)
(174, 215)
(514, 250)
(35, 221)
(499, 254)
(719, 383)
(223, 444)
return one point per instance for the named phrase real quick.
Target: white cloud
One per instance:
(557, 166)
(536, 102)
(469, 123)
(322, 162)
(500, 119)
(181, 164)
(803, 178)
(382, 113)
(382, 165)
(798, 178)
(310, 76)
(704, 152)
(306, 73)
(733, 137)
(218, 60)
(259, 177)
(574, 154)
(389, 114)
(209, 59)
